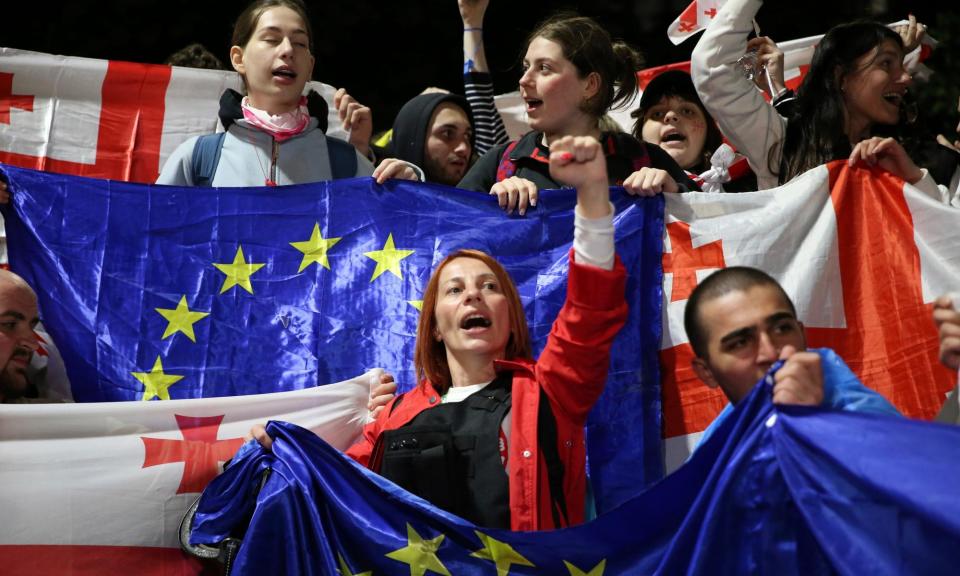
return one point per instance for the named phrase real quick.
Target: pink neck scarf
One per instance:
(282, 126)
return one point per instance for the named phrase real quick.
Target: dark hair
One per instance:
(195, 56)
(430, 356)
(816, 132)
(246, 23)
(679, 84)
(732, 279)
(591, 49)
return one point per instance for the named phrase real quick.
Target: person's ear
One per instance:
(592, 86)
(703, 372)
(236, 59)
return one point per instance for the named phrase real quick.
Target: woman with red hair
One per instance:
(489, 433)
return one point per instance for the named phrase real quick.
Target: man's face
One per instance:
(447, 151)
(18, 317)
(745, 332)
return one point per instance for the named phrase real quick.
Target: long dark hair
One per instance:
(816, 132)
(591, 49)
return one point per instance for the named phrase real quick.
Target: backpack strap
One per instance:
(507, 167)
(343, 158)
(206, 156)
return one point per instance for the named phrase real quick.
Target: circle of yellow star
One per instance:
(315, 249)
(181, 319)
(238, 272)
(420, 554)
(155, 382)
(387, 259)
(500, 553)
(418, 304)
(597, 570)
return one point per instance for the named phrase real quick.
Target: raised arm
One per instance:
(574, 364)
(745, 118)
(477, 82)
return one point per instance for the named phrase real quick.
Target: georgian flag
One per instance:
(861, 254)
(694, 18)
(100, 488)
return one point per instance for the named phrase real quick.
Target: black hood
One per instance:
(411, 125)
(230, 110)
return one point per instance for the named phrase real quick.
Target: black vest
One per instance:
(449, 455)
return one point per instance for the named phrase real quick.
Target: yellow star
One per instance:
(181, 319)
(155, 382)
(500, 553)
(420, 554)
(387, 259)
(315, 249)
(345, 570)
(597, 570)
(418, 304)
(238, 272)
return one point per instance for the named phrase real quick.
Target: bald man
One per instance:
(18, 342)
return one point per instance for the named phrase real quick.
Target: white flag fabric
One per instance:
(861, 254)
(694, 18)
(99, 487)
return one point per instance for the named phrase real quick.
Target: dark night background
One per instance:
(386, 52)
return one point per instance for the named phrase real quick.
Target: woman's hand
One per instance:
(381, 394)
(912, 34)
(650, 182)
(770, 63)
(259, 433)
(394, 168)
(515, 192)
(357, 120)
(888, 154)
(472, 11)
(578, 161)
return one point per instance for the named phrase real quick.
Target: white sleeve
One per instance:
(946, 195)
(593, 240)
(745, 118)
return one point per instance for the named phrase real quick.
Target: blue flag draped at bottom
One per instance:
(172, 292)
(776, 490)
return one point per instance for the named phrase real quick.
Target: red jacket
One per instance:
(571, 370)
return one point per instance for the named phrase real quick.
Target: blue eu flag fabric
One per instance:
(776, 490)
(156, 292)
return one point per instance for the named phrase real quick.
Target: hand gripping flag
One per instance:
(166, 292)
(778, 490)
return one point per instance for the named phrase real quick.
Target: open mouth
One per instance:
(533, 104)
(893, 98)
(475, 321)
(284, 72)
(673, 137)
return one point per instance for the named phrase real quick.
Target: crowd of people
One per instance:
(711, 130)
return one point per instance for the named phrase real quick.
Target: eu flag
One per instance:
(776, 490)
(155, 292)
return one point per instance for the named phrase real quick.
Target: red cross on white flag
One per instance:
(100, 488)
(693, 19)
(862, 256)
